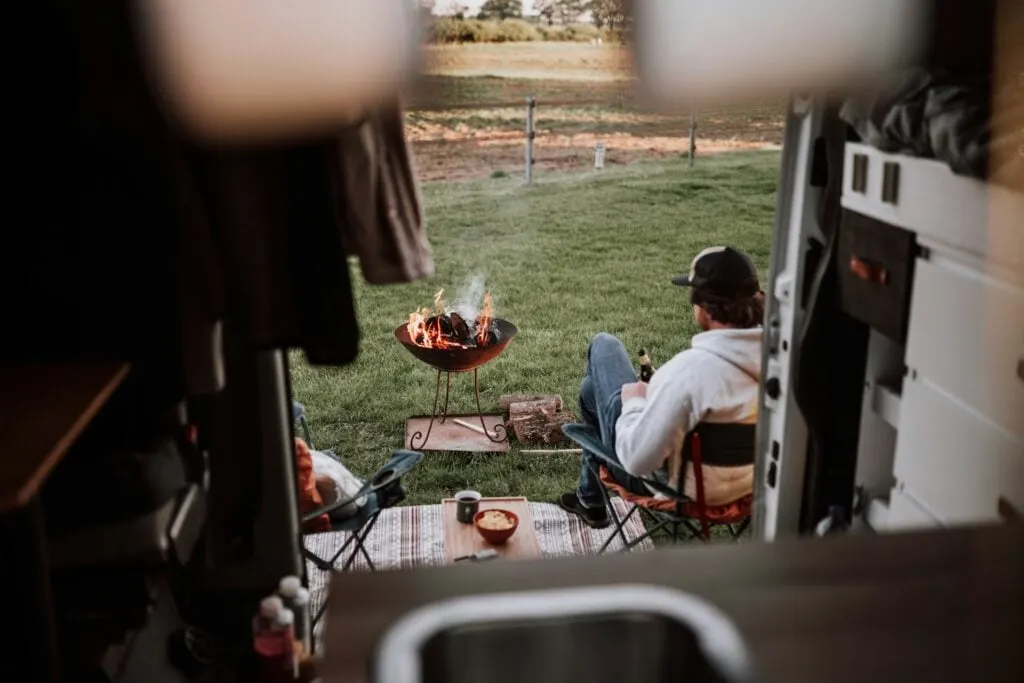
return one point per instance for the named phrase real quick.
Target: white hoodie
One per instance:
(716, 380)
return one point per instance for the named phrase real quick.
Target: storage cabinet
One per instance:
(967, 338)
(952, 430)
(925, 197)
(955, 460)
(876, 266)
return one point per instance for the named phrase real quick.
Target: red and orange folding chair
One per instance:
(672, 511)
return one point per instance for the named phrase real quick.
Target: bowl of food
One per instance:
(496, 526)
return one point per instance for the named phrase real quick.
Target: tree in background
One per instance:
(610, 14)
(501, 9)
(569, 11)
(564, 11)
(546, 10)
(455, 10)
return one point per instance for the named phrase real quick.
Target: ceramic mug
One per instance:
(466, 505)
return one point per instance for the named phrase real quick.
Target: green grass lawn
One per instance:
(570, 256)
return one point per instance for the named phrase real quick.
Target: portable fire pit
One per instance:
(447, 342)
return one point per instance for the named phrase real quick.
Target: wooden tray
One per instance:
(463, 539)
(451, 436)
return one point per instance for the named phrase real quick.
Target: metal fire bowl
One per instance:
(459, 360)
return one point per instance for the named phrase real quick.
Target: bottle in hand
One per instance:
(646, 369)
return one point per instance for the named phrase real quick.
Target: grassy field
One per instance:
(531, 60)
(570, 256)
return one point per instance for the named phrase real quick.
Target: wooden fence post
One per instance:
(693, 136)
(531, 105)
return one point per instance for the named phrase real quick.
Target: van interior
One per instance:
(149, 482)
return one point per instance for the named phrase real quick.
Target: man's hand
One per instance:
(634, 390)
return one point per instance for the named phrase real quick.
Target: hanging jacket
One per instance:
(379, 200)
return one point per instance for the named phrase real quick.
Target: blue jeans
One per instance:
(608, 368)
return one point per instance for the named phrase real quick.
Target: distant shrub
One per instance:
(578, 33)
(444, 30)
(582, 32)
(516, 31)
(452, 30)
(477, 31)
(550, 32)
(499, 174)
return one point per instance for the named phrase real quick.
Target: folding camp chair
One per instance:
(381, 491)
(299, 415)
(674, 512)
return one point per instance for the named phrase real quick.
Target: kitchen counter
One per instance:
(932, 606)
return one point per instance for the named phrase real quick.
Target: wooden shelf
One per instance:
(44, 408)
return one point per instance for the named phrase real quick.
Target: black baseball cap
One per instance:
(723, 272)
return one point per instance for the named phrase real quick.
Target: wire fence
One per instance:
(530, 130)
(440, 106)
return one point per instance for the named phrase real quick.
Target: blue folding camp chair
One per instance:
(381, 491)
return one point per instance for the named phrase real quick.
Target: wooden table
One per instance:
(44, 408)
(941, 606)
(463, 539)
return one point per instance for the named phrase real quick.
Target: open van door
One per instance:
(893, 395)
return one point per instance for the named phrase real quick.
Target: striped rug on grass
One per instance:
(406, 537)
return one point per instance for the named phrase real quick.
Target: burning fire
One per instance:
(484, 320)
(439, 328)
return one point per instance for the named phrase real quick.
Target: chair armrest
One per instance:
(400, 464)
(590, 441)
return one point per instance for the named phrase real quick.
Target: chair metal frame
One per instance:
(672, 514)
(381, 491)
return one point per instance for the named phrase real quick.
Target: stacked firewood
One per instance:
(536, 419)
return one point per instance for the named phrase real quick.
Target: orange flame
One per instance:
(429, 334)
(483, 321)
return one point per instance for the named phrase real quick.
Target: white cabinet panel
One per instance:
(905, 513)
(966, 336)
(954, 461)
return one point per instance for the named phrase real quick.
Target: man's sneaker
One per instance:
(594, 517)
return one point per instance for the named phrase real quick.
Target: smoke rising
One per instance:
(469, 297)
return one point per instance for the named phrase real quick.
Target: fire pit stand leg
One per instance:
(500, 433)
(447, 392)
(418, 440)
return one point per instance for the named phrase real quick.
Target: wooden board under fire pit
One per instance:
(451, 436)
(463, 539)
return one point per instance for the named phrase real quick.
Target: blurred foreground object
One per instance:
(711, 51)
(245, 69)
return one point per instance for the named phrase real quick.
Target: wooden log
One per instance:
(538, 422)
(508, 399)
(551, 404)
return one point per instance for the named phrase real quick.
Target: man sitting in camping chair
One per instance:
(644, 428)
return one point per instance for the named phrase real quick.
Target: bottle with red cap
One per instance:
(274, 641)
